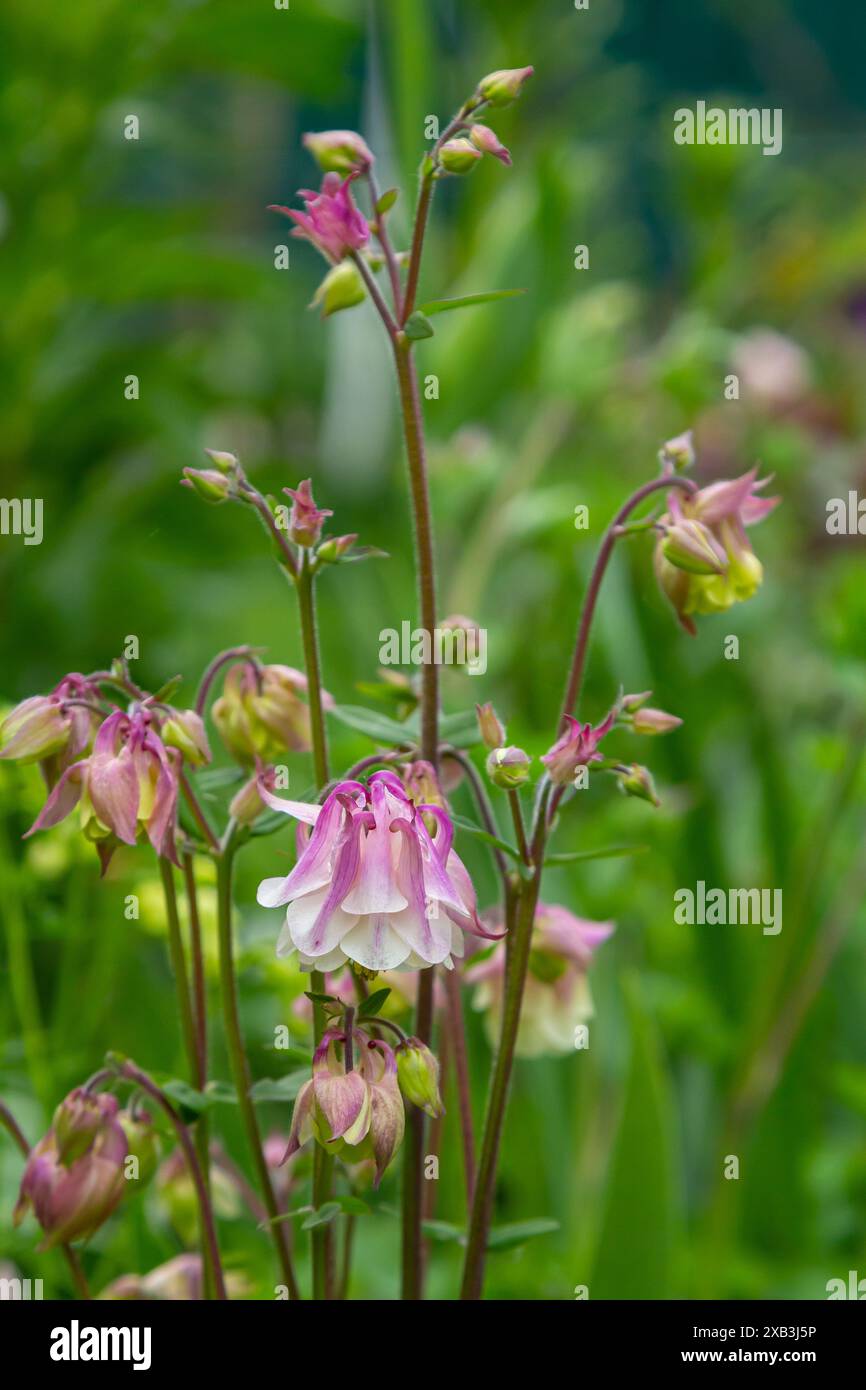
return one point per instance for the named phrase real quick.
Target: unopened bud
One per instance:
(508, 767)
(224, 462)
(184, 729)
(458, 156)
(210, 485)
(630, 703)
(491, 726)
(339, 151)
(678, 453)
(418, 1076)
(333, 549)
(342, 288)
(503, 86)
(142, 1144)
(689, 545)
(488, 142)
(637, 781)
(654, 721)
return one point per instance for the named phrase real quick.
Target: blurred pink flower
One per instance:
(331, 221)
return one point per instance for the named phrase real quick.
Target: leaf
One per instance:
(634, 1253)
(481, 834)
(320, 998)
(607, 852)
(373, 1003)
(280, 1089)
(270, 823)
(375, 725)
(465, 301)
(188, 1098)
(418, 326)
(166, 691)
(387, 201)
(461, 729)
(443, 1232)
(517, 1232)
(322, 1216)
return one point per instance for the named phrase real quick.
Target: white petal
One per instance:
(373, 944)
(301, 921)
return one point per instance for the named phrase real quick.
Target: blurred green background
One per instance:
(155, 258)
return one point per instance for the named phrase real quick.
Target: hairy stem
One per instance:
(457, 1037)
(309, 636)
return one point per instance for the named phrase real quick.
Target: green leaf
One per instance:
(607, 852)
(280, 1089)
(373, 1003)
(270, 823)
(418, 326)
(517, 1232)
(374, 724)
(166, 691)
(634, 1258)
(190, 1100)
(465, 301)
(387, 201)
(443, 1232)
(481, 834)
(322, 1216)
(461, 729)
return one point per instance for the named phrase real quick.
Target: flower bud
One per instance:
(654, 721)
(223, 462)
(629, 703)
(333, 549)
(636, 781)
(488, 142)
(491, 726)
(306, 519)
(508, 767)
(503, 86)
(678, 453)
(184, 729)
(689, 545)
(33, 730)
(261, 715)
(458, 156)
(210, 485)
(78, 1120)
(342, 288)
(338, 151)
(142, 1143)
(418, 1076)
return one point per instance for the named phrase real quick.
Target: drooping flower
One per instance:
(576, 747)
(372, 885)
(51, 729)
(306, 519)
(339, 151)
(713, 522)
(74, 1177)
(127, 787)
(260, 713)
(556, 996)
(346, 1105)
(331, 221)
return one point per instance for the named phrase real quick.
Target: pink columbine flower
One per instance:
(715, 517)
(126, 787)
(48, 728)
(576, 747)
(331, 221)
(372, 885)
(74, 1178)
(359, 1106)
(306, 519)
(556, 997)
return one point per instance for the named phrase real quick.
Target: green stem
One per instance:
(323, 1174)
(309, 636)
(238, 1059)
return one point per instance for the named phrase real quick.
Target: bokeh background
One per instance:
(155, 258)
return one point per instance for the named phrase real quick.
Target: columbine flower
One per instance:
(306, 519)
(575, 748)
(371, 884)
(331, 222)
(260, 713)
(339, 151)
(360, 1107)
(557, 997)
(488, 142)
(127, 786)
(48, 730)
(74, 1177)
(703, 560)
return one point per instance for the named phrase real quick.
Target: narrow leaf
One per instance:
(606, 852)
(373, 1003)
(481, 834)
(465, 301)
(517, 1232)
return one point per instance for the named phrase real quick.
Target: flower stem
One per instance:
(238, 1058)
(413, 1161)
(134, 1073)
(457, 1038)
(309, 636)
(608, 540)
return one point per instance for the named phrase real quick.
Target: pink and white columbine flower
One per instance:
(331, 221)
(52, 729)
(371, 884)
(127, 786)
(576, 747)
(556, 996)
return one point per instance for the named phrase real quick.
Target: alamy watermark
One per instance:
(445, 646)
(22, 516)
(737, 126)
(702, 906)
